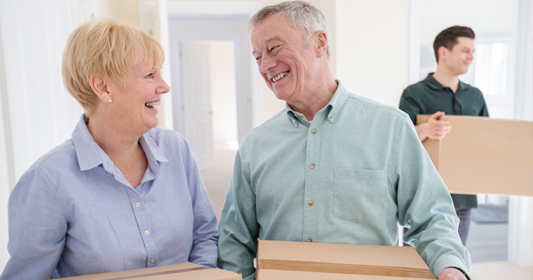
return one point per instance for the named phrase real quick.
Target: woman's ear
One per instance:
(100, 87)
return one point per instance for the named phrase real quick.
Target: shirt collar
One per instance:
(152, 151)
(90, 155)
(434, 84)
(333, 107)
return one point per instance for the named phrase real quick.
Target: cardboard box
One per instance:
(182, 271)
(483, 155)
(308, 260)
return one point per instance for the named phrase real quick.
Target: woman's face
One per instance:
(135, 105)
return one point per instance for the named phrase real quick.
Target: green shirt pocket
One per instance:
(359, 195)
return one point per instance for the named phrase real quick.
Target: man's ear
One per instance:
(321, 43)
(100, 87)
(443, 52)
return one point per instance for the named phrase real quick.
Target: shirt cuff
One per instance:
(450, 261)
(465, 274)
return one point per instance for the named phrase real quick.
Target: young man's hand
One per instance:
(452, 273)
(434, 129)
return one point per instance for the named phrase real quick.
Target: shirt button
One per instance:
(312, 166)
(310, 202)
(138, 204)
(296, 116)
(294, 123)
(146, 233)
(313, 131)
(152, 260)
(309, 240)
(331, 118)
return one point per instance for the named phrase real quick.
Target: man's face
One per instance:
(459, 58)
(284, 62)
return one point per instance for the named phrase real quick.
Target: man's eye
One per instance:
(258, 58)
(271, 49)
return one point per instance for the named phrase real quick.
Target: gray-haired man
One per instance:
(331, 167)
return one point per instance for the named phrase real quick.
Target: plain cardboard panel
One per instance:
(182, 271)
(483, 155)
(310, 260)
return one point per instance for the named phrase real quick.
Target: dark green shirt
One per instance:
(429, 96)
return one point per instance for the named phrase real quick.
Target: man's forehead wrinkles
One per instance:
(265, 44)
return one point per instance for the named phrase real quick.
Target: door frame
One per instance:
(250, 107)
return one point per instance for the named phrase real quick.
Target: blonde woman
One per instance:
(122, 193)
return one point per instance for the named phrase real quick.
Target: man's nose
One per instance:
(267, 62)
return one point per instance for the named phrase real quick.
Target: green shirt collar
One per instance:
(434, 84)
(331, 110)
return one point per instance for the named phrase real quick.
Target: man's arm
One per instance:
(425, 207)
(237, 246)
(434, 128)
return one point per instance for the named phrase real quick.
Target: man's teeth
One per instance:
(278, 77)
(152, 104)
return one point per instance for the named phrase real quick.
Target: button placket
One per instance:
(144, 225)
(311, 179)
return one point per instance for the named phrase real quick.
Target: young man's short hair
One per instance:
(448, 38)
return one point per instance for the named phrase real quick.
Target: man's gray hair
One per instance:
(299, 14)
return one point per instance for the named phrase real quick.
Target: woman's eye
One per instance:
(151, 76)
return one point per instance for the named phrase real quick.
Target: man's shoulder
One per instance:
(416, 88)
(470, 88)
(273, 122)
(373, 107)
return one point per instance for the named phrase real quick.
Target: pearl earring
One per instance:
(109, 101)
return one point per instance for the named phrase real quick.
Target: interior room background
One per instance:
(377, 49)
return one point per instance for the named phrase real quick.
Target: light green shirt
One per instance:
(349, 176)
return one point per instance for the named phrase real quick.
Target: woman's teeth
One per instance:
(152, 104)
(279, 76)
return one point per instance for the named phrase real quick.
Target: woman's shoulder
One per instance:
(58, 156)
(54, 164)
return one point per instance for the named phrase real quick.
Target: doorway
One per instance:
(208, 98)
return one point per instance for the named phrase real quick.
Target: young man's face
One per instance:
(459, 58)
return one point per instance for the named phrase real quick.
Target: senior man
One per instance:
(332, 167)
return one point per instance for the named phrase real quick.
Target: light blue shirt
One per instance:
(349, 176)
(74, 213)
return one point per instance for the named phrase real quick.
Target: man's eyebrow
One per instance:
(267, 42)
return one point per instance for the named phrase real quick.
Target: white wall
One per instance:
(4, 193)
(483, 16)
(223, 90)
(4, 181)
(486, 18)
(373, 48)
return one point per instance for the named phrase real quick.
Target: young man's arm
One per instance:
(434, 128)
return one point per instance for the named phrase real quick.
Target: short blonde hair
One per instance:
(107, 47)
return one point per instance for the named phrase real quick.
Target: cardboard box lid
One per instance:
(484, 155)
(277, 259)
(182, 271)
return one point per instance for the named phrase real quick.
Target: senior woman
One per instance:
(122, 193)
